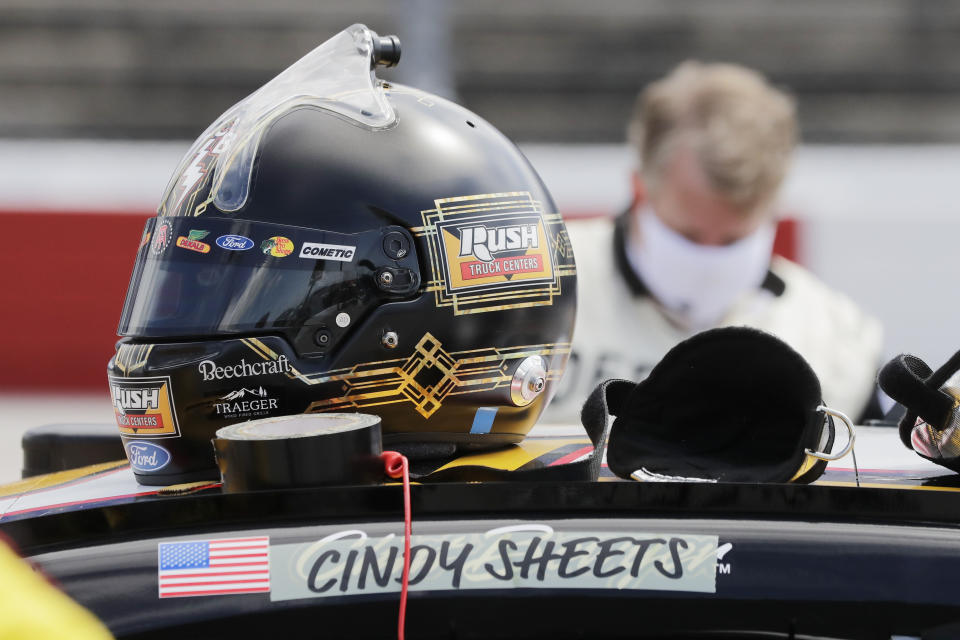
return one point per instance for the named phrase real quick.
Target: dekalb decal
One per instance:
(340, 252)
(144, 407)
(192, 241)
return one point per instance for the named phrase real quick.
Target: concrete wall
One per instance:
(557, 70)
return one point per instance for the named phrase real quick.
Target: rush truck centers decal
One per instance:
(144, 407)
(495, 252)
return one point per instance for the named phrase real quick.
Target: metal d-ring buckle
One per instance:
(851, 436)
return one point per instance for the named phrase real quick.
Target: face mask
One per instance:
(697, 284)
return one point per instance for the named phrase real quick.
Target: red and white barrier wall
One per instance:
(879, 223)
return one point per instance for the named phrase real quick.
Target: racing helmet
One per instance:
(337, 243)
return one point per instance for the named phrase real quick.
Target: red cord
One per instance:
(396, 466)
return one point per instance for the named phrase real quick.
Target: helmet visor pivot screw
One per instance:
(396, 245)
(322, 337)
(529, 381)
(390, 340)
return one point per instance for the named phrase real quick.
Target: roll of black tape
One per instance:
(307, 450)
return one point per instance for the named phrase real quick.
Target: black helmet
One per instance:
(337, 243)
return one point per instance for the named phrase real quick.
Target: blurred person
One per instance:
(694, 250)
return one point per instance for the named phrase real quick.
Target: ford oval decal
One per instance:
(234, 243)
(146, 456)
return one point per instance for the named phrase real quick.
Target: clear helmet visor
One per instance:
(198, 277)
(336, 76)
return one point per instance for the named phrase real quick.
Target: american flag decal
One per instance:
(213, 567)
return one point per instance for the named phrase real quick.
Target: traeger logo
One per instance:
(486, 242)
(143, 406)
(244, 402)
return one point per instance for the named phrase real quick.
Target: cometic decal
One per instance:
(516, 557)
(277, 246)
(316, 251)
(147, 456)
(192, 241)
(234, 243)
(144, 407)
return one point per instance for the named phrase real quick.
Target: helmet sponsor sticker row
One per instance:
(144, 407)
(275, 246)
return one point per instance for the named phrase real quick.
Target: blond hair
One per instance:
(740, 128)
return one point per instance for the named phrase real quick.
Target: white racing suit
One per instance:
(621, 332)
